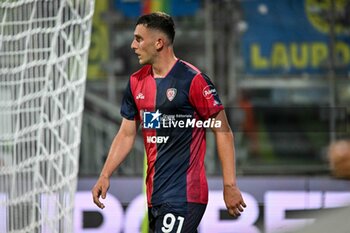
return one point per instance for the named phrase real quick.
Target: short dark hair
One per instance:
(160, 21)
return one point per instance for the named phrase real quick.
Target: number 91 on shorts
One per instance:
(170, 222)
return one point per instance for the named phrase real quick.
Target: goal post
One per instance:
(43, 66)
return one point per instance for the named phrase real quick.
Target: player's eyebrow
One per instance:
(137, 36)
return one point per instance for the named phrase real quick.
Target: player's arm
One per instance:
(225, 146)
(120, 147)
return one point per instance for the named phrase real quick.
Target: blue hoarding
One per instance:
(293, 36)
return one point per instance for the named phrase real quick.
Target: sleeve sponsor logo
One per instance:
(209, 91)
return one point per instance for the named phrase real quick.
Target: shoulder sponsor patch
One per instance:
(209, 91)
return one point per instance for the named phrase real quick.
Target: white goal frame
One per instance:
(43, 66)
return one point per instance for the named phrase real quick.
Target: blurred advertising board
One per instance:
(99, 47)
(293, 36)
(134, 8)
(274, 203)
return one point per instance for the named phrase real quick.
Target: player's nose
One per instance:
(133, 45)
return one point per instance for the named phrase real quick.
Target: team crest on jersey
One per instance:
(171, 93)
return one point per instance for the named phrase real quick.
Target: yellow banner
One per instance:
(98, 53)
(296, 55)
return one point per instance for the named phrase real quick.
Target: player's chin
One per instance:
(143, 62)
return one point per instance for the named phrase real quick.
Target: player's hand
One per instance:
(100, 189)
(233, 200)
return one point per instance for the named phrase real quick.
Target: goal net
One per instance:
(43, 63)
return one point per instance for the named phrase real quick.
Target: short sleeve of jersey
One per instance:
(128, 108)
(204, 97)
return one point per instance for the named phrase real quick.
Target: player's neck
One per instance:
(163, 65)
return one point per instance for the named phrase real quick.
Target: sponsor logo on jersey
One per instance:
(191, 123)
(157, 120)
(151, 120)
(157, 139)
(209, 91)
(171, 93)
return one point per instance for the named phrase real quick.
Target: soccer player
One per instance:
(174, 102)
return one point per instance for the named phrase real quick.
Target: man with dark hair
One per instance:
(175, 103)
(159, 21)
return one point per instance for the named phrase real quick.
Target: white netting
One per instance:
(43, 62)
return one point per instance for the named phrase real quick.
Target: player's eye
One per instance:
(138, 39)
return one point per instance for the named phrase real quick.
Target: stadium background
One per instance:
(282, 69)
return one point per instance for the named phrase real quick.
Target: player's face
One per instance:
(144, 44)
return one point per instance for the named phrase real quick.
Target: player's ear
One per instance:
(160, 43)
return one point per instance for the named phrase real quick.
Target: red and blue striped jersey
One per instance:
(174, 112)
